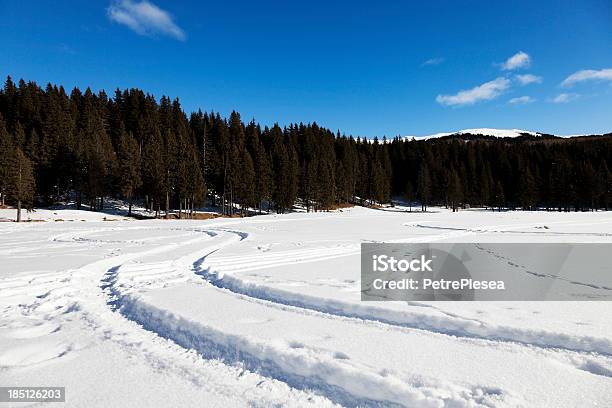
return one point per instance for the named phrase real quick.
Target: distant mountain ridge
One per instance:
(491, 134)
(483, 132)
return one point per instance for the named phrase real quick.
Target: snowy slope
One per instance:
(51, 215)
(265, 311)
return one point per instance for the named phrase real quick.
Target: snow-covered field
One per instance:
(265, 311)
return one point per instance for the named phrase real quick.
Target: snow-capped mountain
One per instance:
(481, 131)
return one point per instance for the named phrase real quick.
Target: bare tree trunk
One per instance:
(224, 185)
(167, 203)
(18, 210)
(129, 204)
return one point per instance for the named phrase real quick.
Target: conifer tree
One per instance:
(261, 165)
(32, 146)
(527, 189)
(424, 186)
(196, 187)
(409, 194)
(325, 177)
(129, 167)
(171, 167)
(246, 187)
(7, 149)
(154, 169)
(455, 193)
(284, 170)
(604, 185)
(20, 181)
(500, 197)
(291, 182)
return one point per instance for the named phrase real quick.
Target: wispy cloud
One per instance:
(487, 91)
(528, 79)
(144, 18)
(564, 98)
(521, 100)
(518, 60)
(433, 61)
(588, 75)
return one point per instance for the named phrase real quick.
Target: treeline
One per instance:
(528, 172)
(85, 146)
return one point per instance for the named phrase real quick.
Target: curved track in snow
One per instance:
(53, 305)
(331, 377)
(220, 273)
(214, 343)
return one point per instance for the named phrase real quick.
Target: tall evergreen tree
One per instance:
(500, 197)
(455, 190)
(424, 186)
(129, 167)
(20, 181)
(154, 170)
(604, 186)
(527, 190)
(409, 194)
(7, 148)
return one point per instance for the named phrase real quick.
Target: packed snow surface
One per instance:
(265, 311)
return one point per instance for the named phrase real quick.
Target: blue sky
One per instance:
(366, 68)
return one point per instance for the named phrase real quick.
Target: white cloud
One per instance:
(144, 18)
(528, 79)
(433, 61)
(487, 91)
(564, 98)
(588, 75)
(518, 60)
(521, 100)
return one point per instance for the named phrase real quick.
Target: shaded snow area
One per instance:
(113, 210)
(265, 311)
(58, 215)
